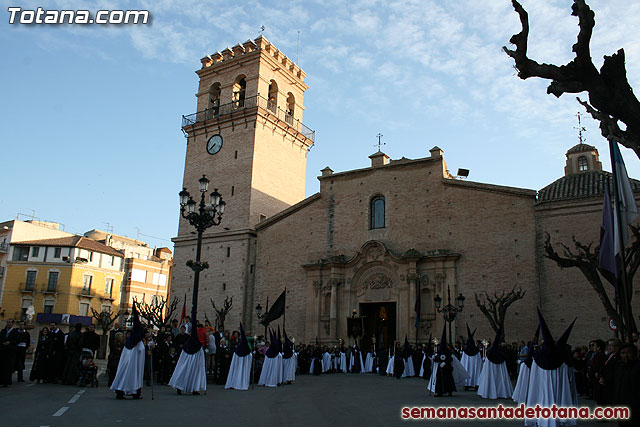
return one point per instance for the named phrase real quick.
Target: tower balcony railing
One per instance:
(4, 246)
(219, 111)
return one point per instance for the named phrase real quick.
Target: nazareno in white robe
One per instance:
(239, 372)
(271, 374)
(130, 374)
(473, 366)
(289, 367)
(494, 381)
(190, 373)
(409, 370)
(368, 364)
(547, 388)
(522, 384)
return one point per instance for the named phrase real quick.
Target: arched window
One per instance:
(377, 212)
(272, 103)
(239, 91)
(582, 164)
(214, 99)
(291, 108)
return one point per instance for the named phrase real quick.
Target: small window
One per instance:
(224, 286)
(53, 281)
(20, 253)
(582, 164)
(84, 309)
(235, 156)
(108, 287)
(232, 190)
(109, 260)
(35, 251)
(31, 278)
(48, 307)
(90, 256)
(56, 252)
(239, 92)
(377, 212)
(228, 251)
(86, 283)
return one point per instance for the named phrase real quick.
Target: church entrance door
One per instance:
(379, 321)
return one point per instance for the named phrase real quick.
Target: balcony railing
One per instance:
(87, 292)
(48, 289)
(4, 246)
(27, 287)
(254, 101)
(1, 271)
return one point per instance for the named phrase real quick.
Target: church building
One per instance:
(382, 240)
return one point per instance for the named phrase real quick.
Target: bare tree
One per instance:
(495, 307)
(105, 320)
(221, 314)
(586, 258)
(611, 98)
(158, 312)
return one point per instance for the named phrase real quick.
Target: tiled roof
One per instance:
(579, 186)
(73, 241)
(581, 148)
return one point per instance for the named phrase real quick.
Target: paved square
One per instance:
(326, 400)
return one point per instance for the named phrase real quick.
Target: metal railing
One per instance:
(27, 287)
(1, 271)
(49, 289)
(253, 101)
(4, 246)
(87, 292)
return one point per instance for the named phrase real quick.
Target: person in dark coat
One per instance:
(90, 339)
(8, 346)
(223, 362)
(58, 353)
(398, 362)
(42, 357)
(74, 349)
(594, 370)
(626, 384)
(115, 351)
(607, 371)
(24, 342)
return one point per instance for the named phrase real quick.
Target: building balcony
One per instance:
(27, 288)
(4, 247)
(89, 293)
(107, 297)
(49, 290)
(221, 111)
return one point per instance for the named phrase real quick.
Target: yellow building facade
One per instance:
(61, 280)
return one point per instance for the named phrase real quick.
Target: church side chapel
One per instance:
(382, 241)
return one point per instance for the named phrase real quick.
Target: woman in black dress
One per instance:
(42, 357)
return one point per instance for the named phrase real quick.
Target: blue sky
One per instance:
(90, 115)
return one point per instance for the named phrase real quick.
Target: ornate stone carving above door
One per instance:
(377, 283)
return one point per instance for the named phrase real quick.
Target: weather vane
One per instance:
(580, 129)
(380, 143)
(261, 29)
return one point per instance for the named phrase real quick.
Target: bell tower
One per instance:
(248, 138)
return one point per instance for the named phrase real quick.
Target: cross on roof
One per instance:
(380, 143)
(580, 129)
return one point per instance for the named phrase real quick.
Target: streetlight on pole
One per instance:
(449, 311)
(208, 214)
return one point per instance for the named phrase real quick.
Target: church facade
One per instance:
(382, 240)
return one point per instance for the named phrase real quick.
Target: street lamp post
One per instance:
(261, 316)
(208, 214)
(449, 311)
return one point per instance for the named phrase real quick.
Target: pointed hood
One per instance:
(443, 349)
(564, 349)
(470, 348)
(137, 332)
(273, 349)
(495, 353)
(193, 344)
(242, 349)
(546, 356)
(287, 348)
(406, 348)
